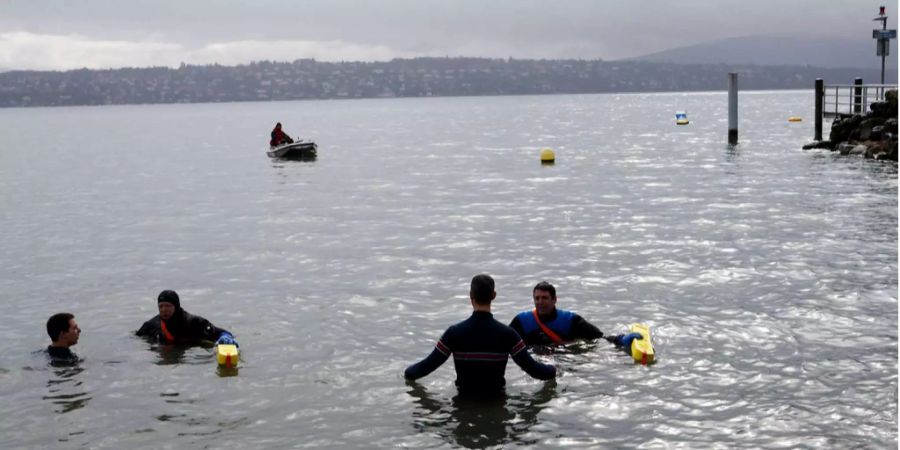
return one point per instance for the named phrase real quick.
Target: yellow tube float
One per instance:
(227, 355)
(642, 349)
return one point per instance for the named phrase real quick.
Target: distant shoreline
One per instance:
(400, 78)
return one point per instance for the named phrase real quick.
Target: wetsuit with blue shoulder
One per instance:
(547, 325)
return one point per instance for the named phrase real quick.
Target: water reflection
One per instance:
(182, 354)
(170, 354)
(224, 372)
(580, 347)
(732, 153)
(480, 423)
(65, 388)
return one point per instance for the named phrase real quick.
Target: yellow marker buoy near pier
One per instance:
(547, 156)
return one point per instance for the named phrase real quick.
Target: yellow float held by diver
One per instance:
(642, 349)
(228, 355)
(681, 118)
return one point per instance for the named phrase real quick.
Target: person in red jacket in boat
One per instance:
(279, 137)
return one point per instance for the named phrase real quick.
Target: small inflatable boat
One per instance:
(296, 150)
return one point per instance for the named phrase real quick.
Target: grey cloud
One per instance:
(517, 28)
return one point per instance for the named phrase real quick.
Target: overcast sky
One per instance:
(68, 34)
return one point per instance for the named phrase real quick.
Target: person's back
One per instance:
(481, 347)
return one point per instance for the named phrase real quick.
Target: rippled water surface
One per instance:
(768, 274)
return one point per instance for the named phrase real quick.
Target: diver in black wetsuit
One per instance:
(64, 333)
(481, 347)
(174, 325)
(546, 325)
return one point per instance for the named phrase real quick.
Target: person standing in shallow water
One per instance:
(64, 333)
(174, 325)
(481, 347)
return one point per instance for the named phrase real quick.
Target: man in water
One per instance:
(546, 325)
(279, 137)
(481, 347)
(174, 325)
(64, 333)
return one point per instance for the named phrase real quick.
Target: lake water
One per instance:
(768, 274)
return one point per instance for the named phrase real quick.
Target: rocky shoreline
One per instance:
(872, 136)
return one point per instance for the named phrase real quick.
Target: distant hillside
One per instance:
(418, 77)
(773, 51)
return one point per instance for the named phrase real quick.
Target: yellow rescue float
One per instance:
(228, 355)
(795, 119)
(642, 349)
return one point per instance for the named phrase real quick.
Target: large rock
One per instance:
(880, 109)
(878, 130)
(845, 148)
(877, 133)
(890, 97)
(865, 127)
(842, 128)
(882, 150)
(886, 108)
(891, 155)
(819, 144)
(890, 126)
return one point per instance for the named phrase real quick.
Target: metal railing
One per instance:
(848, 99)
(842, 100)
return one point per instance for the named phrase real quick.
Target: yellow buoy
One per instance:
(547, 156)
(795, 119)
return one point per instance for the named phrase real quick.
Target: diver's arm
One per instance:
(582, 329)
(150, 328)
(533, 368)
(427, 365)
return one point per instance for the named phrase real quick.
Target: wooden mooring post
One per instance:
(820, 107)
(732, 108)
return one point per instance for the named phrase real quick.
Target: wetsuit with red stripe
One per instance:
(480, 346)
(183, 327)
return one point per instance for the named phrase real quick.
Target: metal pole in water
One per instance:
(820, 103)
(884, 37)
(857, 95)
(732, 108)
(884, 42)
